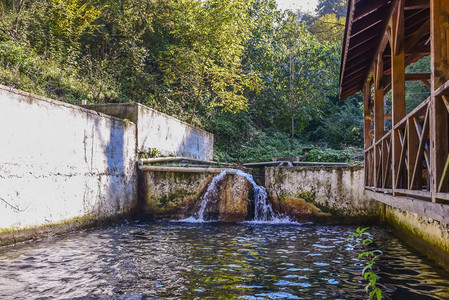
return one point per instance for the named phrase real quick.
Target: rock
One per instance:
(233, 203)
(300, 209)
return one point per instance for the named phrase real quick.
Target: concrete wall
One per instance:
(425, 234)
(168, 135)
(59, 161)
(335, 190)
(176, 193)
(172, 194)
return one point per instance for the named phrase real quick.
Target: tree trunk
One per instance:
(293, 132)
(292, 110)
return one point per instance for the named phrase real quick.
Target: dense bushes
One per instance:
(263, 81)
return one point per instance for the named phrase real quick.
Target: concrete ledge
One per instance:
(14, 236)
(435, 211)
(182, 169)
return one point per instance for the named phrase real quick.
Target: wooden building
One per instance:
(406, 153)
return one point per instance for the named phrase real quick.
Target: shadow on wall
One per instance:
(195, 145)
(115, 184)
(115, 162)
(191, 145)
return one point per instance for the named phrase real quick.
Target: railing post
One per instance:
(439, 32)
(379, 112)
(397, 83)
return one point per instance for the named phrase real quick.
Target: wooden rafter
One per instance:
(416, 4)
(398, 22)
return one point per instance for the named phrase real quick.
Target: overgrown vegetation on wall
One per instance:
(264, 81)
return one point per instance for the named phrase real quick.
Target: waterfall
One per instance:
(210, 192)
(263, 212)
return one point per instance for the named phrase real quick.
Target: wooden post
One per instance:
(379, 112)
(397, 84)
(439, 32)
(367, 113)
(367, 127)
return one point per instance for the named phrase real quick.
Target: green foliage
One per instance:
(329, 27)
(337, 7)
(236, 139)
(364, 239)
(416, 91)
(262, 80)
(327, 155)
(153, 152)
(340, 126)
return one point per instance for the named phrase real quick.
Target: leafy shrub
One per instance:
(364, 239)
(327, 155)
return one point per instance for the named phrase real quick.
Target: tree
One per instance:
(329, 28)
(307, 72)
(336, 7)
(203, 66)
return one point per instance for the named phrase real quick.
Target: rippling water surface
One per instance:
(170, 260)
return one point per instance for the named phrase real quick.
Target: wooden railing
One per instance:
(410, 175)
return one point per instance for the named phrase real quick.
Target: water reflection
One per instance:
(211, 261)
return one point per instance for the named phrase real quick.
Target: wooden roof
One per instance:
(366, 35)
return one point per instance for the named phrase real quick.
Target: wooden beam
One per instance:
(386, 161)
(403, 140)
(417, 76)
(417, 36)
(398, 89)
(442, 90)
(366, 7)
(399, 22)
(379, 109)
(346, 38)
(436, 211)
(445, 177)
(366, 112)
(412, 150)
(439, 147)
(423, 50)
(416, 4)
(387, 88)
(413, 58)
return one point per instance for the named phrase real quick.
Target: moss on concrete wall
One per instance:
(427, 235)
(173, 194)
(335, 191)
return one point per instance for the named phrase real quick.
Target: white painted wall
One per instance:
(59, 161)
(156, 130)
(172, 136)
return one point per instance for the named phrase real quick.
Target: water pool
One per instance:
(172, 260)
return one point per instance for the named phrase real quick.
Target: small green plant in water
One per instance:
(364, 239)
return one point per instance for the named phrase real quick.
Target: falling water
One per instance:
(210, 192)
(263, 212)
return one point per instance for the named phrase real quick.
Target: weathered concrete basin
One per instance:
(175, 193)
(305, 194)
